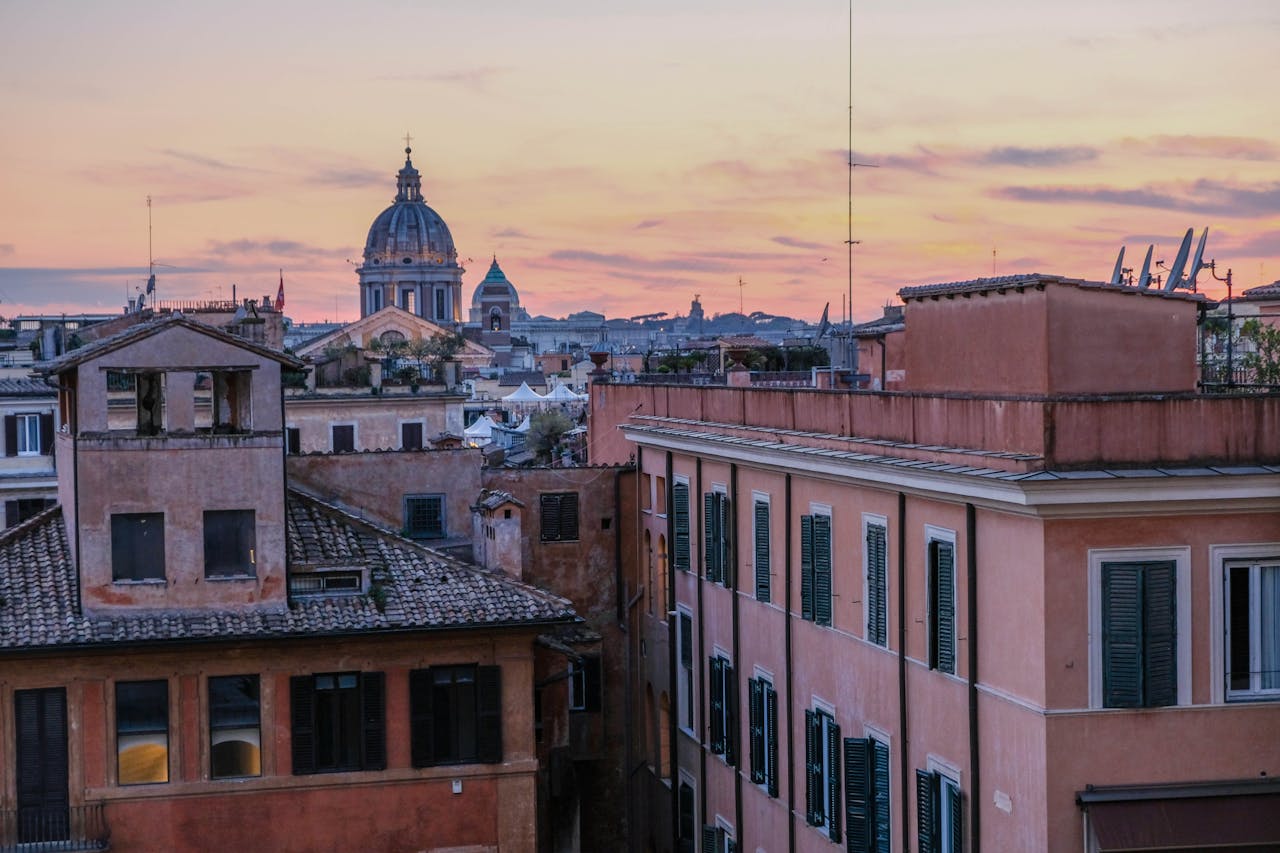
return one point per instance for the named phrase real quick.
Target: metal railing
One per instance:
(36, 830)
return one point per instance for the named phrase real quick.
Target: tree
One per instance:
(1264, 361)
(545, 431)
(431, 353)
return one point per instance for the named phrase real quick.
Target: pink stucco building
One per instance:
(1030, 600)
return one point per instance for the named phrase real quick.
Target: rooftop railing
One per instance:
(41, 829)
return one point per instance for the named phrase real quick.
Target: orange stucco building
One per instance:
(195, 657)
(1024, 601)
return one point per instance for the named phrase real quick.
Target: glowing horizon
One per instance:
(622, 162)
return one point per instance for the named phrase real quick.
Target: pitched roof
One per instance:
(26, 388)
(425, 590)
(102, 346)
(1261, 293)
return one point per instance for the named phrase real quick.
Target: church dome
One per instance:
(409, 232)
(495, 288)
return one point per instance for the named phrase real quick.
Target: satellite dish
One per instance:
(1144, 280)
(1180, 262)
(1116, 273)
(1196, 263)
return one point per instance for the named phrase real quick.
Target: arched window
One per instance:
(495, 319)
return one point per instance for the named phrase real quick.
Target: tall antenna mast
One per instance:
(151, 261)
(741, 284)
(849, 240)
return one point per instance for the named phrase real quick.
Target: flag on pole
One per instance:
(280, 293)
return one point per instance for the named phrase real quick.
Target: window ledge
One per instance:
(225, 578)
(140, 581)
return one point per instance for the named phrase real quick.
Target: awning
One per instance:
(1219, 815)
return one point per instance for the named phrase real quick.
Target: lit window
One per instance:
(142, 732)
(234, 727)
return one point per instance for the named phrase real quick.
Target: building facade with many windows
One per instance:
(1025, 603)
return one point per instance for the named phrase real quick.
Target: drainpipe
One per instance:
(791, 764)
(624, 614)
(902, 670)
(673, 629)
(284, 476)
(696, 500)
(971, 557)
(733, 591)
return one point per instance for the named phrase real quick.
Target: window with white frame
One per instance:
(722, 693)
(941, 587)
(1139, 627)
(866, 793)
(717, 530)
(762, 708)
(28, 437)
(822, 770)
(875, 536)
(815, 566)
(761, 543)
(1251, 624)
(939, 811)
(684, 683)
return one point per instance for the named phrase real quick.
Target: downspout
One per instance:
(629, 660)
(284, 479)
(733, 592)
(903, 751)
(791, 764)
(971, 557)
(673, 630)
(75, 487)
(695, 499)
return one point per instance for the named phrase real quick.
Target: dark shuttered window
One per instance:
(877, 585)
(942, 606)
(866, 795)
(686, 819)
(230, 543)
(338, 722)
(763, 728)
(137, 546)
(760, 530)
(559, 514)
(411, 436)
(822, 746)
(40, 735)
(939, 813)
(455, 715)
(815, 568)
(1139, 634)
(717, 530)
(680, 523)
(723, 695)
(685, 688)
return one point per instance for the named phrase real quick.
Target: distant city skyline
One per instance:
(621, 162)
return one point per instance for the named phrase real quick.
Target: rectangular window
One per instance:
(763, 713)
(646, 492)
(231, 399)
(815, 568)
(1139, 634)
(723, 697)
(292, 441)
(877, 573)
(584, 684)
(684, 689)
(137, 546)
(149, 395)
(343, 438)
(760, 533)
(455, 715)
(440, 315)
(142, 732)
(939, 813)
(717, 536)
(327, 582)
(28, 438)
(235, 727)
(942, 605)
(680, 526)
(1252, 599)
(822, 766)
(338, 722)
(866, 795)
(19, 510)
(716, 839)
(660, 494)
(424, 516)
(230, 543)
(411, 436)
(686, 820)
(559, 516)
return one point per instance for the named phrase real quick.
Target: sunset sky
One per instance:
(621, 157)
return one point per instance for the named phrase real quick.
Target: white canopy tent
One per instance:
(563, 394)
(524, 394)
(480, 432)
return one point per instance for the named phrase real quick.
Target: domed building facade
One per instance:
(409, 257)
(495, 305)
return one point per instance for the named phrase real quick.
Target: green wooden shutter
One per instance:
(833, 780)
(880, 799)
(1160, 634)
(755, 724)
(946, 618)
(877, 569)
(730, 713)
(771, 736)
(857, 794)
(708, 839)
(421, 719)
(926, 820)
(686, 641)
(762, 550)
(812, 767)
(711, 536)
(10, 435)
(373, 721)
(680, 506)
(955, 816)
(302, 719)
(1122, 635)
(806, 567)
(46, 433)
(728, 569)
(489, 714)
(717, 705)
(822, 569)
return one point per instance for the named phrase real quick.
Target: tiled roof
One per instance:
(26, 388)
(492, 499)
(424, 590)
(1016, 282)
(1261, 293)
(513, 378)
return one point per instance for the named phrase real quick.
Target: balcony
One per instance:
(37, 830)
